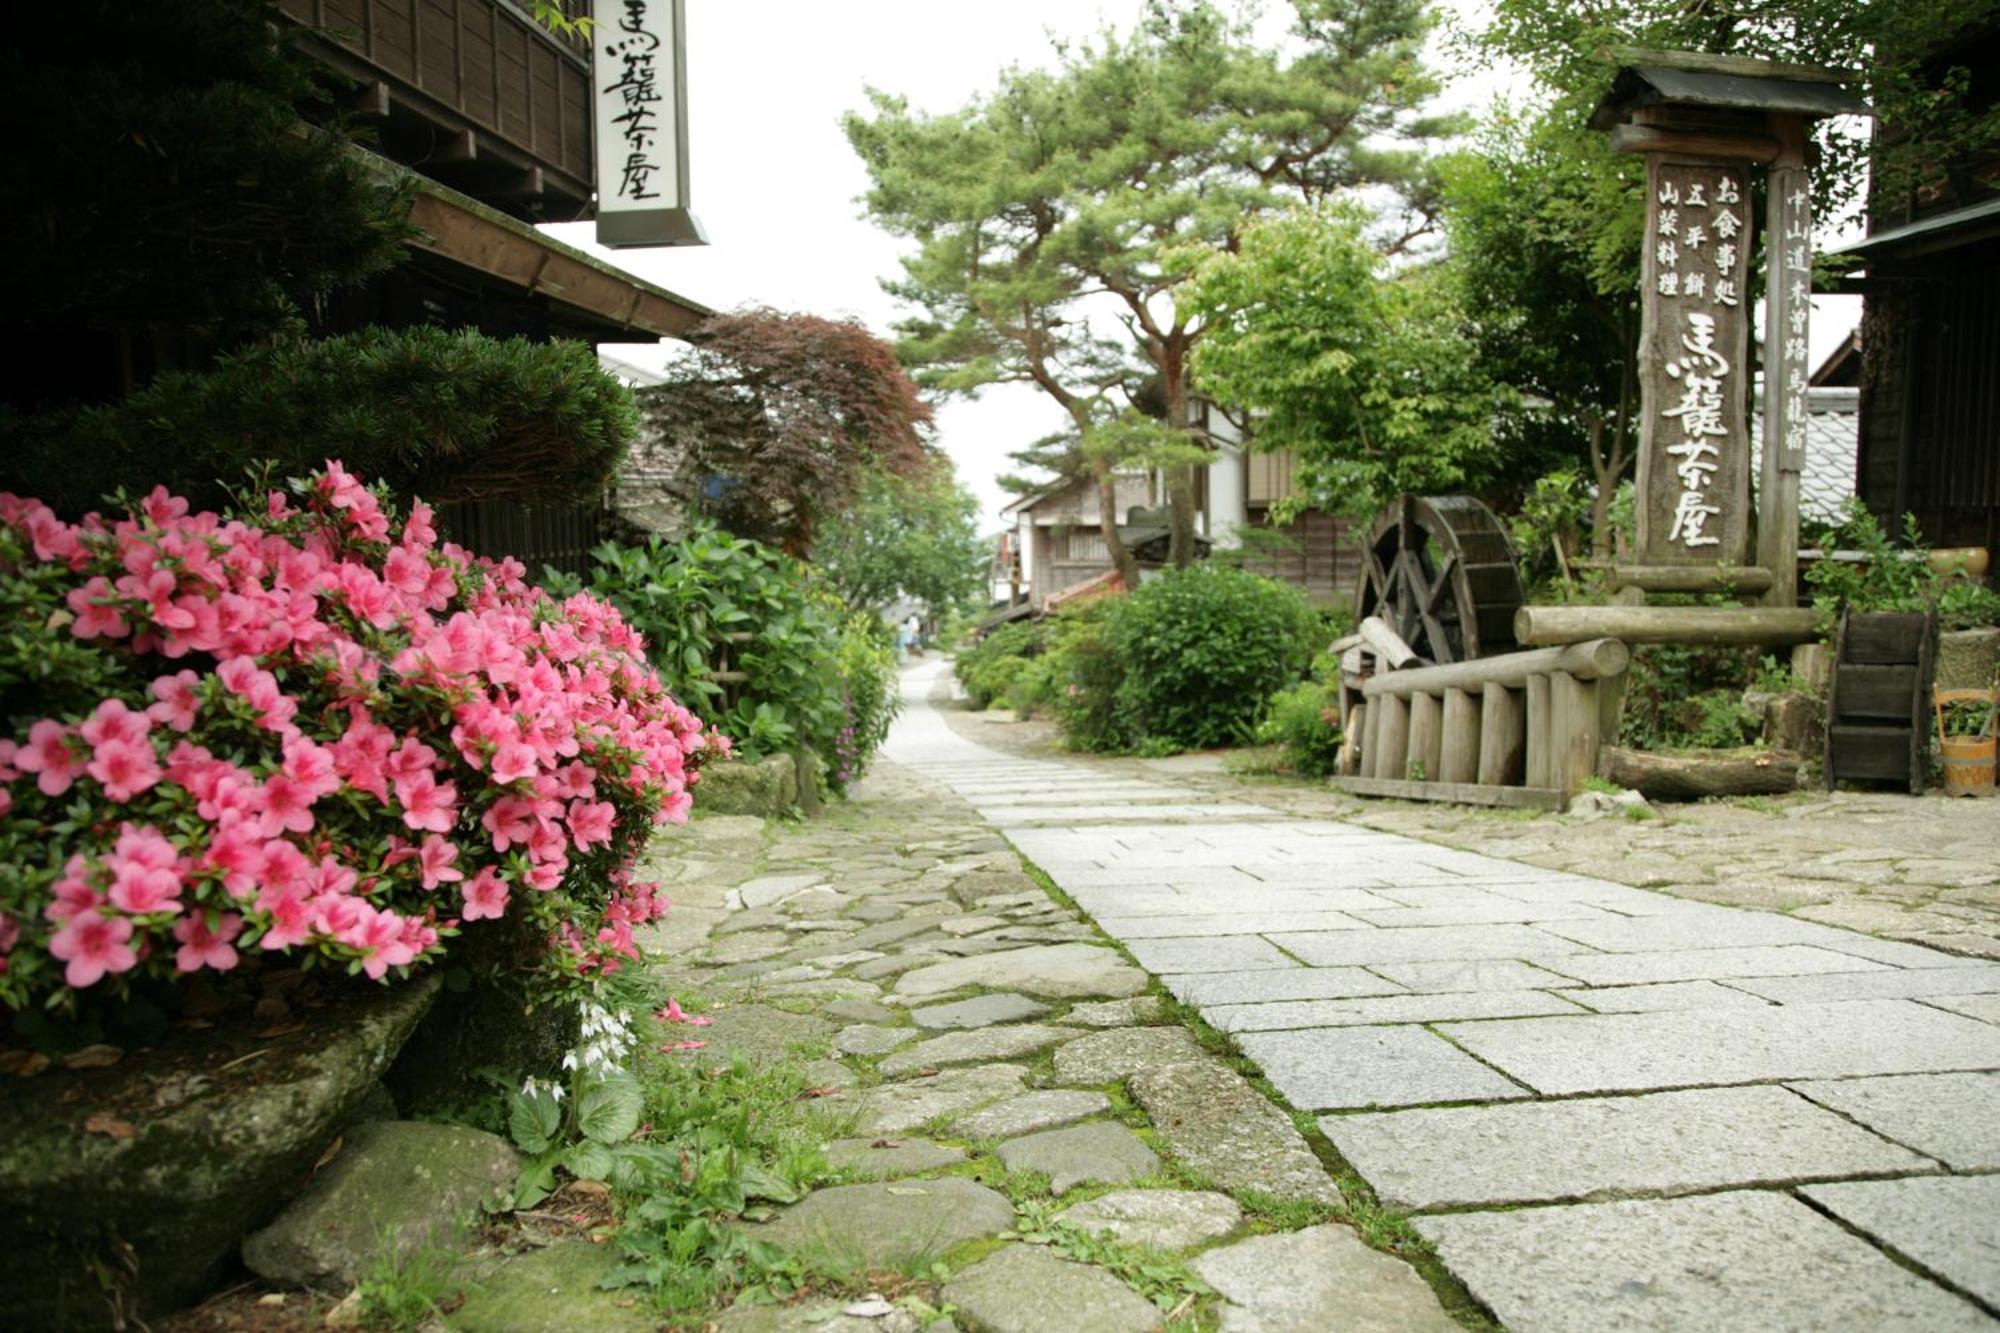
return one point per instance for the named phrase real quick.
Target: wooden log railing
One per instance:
(1749, 626)
(1522, 729)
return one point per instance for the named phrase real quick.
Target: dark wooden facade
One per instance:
(473, 93)
(1930, 382)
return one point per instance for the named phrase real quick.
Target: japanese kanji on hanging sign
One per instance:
(639, 83)
(1694, 436)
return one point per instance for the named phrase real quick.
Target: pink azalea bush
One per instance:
(313, 733)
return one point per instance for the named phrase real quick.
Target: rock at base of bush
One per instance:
(769, 787)
(397, 1186)
(128, 1189)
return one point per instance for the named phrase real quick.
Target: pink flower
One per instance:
(125, 768)
(311, 766)
(112, 720)
(427, 803)
(202, 946)
(485, 896)
(48, 753)
(673, 1047)
(98, 615)
(435, 861)
(287, 806)
(510, 819)
(291, 920)
(590, 823)
(379, 935)
(512, 762)
(178, 700)
(93, 945)
(673, 1013)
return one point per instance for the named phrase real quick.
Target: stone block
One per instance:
(1319, 1279)
(979, 1011)
(1427, 944)
(1500, 974)
(1661, 1143)
(1216, 1124)
(896, 1108)
(1384, 1009)
(1739, 1261)
(1950, 1227)
(1663, 996)
(1339, 1068)
(889, 1225)
(975, 1046)
(767, 788)
(1047, 1109)
(1952, 1117)
(1113, 1054)
(1100, 1152)
(1025, 1289)
(1633, 969)
(1157, 1219)
(213, 1156)
(1058, 971)
(553, 1287)
(1216, 953)
(1304, 983)
(1884, 984)
(397, 1186)
(879, 1159)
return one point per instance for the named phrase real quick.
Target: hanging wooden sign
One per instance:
(640, 89)
(1693, 503)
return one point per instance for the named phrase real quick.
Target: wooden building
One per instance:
(491, 112)
(1930, 342)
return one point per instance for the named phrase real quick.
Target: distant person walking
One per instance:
(913, 633)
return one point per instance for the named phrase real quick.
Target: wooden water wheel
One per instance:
(1440, 570)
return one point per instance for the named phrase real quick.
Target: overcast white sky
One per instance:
(776, 185)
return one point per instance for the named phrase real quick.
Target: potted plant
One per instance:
(1967, 740)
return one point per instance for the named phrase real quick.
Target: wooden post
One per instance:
(1371, 736)
(1573, 723)
(1426, 738)
(1540, 765)
(1503, 738)
(1458, 759)
(1787, 314)
(1392, 738)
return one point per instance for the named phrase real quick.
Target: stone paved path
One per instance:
(1607, 1108)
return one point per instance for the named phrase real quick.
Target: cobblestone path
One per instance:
(1605, 1107)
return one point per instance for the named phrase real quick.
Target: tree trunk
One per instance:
(1107, 522)
(1662, 777)
(1180, 476)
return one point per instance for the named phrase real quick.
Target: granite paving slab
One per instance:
(1216, 953)
(1661, 996)
(1305, 983)
(975, 1046)
(1632, 969)
(1426, 944)
(1740, 1262)
(896, 1224)
(978, 1012)
(1221, 1128)
(1950, 1227)
(1384, 1009)
(1219, 924)
(1048, 1108)
(1320, 1069)
(1112, 1054)
(878, 1159)
(1985, 1008)
(1662, 1143)
(1476, 975)
(1952, 1117)
(1060, 971)
(1687, 1048)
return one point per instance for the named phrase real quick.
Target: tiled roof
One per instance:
(1832, 438)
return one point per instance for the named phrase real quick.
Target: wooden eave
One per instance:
(1726, 84)
(459, 228)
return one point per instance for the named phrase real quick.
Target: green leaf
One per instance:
(588, 1160)
(610, 1111)
(532, 1120)
(761, 1182)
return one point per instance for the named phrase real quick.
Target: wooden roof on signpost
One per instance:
(1724, 83)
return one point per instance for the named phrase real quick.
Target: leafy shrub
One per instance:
(1305, 721)
(1680, 696)
(1084, 679)
(867, 669)
(444, 415)
(1202, 650)
(1887, 577)
(987, 667)
(689, 597)
(309, 732)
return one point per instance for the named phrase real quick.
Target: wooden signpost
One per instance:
(1703, 122)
